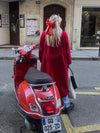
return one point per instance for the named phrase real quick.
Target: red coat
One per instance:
(55, 61)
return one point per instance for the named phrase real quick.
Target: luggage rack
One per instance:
(45, 84)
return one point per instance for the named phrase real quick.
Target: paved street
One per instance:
(85, 116)
(87, 73)
(10, 121)
(86, 112)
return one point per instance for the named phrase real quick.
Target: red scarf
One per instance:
(50, 26)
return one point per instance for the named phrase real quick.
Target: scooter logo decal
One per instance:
(47, 98)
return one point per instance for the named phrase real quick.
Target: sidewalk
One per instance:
(85, 54)
(8, 53)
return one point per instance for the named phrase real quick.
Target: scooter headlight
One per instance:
(33, 107)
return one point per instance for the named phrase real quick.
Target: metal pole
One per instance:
(99, 50)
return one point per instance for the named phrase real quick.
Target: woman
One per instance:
(55, 57)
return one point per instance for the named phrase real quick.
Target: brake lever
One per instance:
(15, 50)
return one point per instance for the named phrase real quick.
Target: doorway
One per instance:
(14, 23)
(54, 9)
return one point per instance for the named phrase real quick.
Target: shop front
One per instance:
(86, 27)
(90, 27)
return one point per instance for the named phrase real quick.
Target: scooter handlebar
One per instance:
(15, 50)
(37, 45)
(25, 49)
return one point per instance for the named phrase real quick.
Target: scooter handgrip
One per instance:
(37, 45)
(17, 51)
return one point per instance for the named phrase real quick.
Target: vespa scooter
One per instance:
(37, 94)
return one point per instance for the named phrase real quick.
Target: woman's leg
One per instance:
(68, 106)
(66, 101)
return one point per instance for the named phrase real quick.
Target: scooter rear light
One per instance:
(48, 108)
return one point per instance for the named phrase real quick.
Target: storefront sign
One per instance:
(98, 32)
(37, 1)
(32, 26)
(5, 20)
(22, 21)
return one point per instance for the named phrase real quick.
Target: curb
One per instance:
(73, 58)
(7, 58)
(86, 58)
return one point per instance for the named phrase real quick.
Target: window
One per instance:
(90, 27)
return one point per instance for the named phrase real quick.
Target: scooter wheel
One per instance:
(33, 124)
(28, 124)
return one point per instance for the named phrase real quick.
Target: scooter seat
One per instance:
(34, 76)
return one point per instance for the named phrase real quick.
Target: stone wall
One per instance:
(4, 31)
(33, 10)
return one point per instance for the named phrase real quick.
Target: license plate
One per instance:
(51, 124)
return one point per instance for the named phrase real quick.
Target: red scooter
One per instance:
(37, 94)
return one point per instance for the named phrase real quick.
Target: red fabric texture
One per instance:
(55, 61)
(50, 26)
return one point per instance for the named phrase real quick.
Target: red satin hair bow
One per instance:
(50, 26)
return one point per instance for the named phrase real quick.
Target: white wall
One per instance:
(4, 32)
(78, 18)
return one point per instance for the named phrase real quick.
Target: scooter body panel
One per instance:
(29, 97)
(25, 98)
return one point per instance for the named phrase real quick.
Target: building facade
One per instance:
(86, 25)
(20, 21)
(28, 16)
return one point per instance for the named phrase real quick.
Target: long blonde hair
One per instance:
(55, 38)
